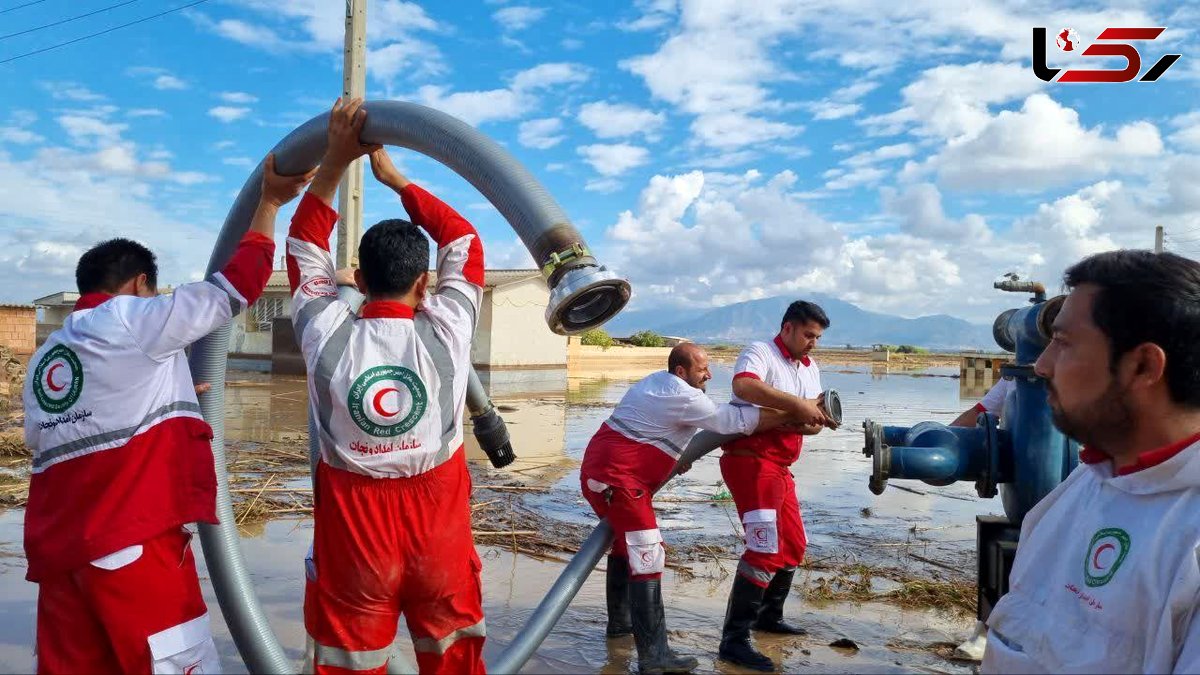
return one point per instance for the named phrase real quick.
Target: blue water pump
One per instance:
(1020, 456)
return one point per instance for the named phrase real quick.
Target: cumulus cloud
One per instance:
(541, 134)
(519, 17)
(1043, 144)
(513, 102)
(227, 113)
(614, 159)
(620, 120)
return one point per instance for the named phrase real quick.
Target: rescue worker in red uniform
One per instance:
(121, 457)
(757, 469)
(628, 459)
(387, 388)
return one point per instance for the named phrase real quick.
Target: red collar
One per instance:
(90, 300)
(1145, 460)
(787, 354)
(387, 309)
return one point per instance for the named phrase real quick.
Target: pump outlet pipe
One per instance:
(583, 294)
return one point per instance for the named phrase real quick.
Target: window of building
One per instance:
(264, 311)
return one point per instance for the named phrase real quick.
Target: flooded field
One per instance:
(870, 558)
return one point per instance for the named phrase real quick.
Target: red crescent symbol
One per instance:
(760, 534)
(378, 402)
(50, 378)
(648, 557)
(191, 669)
(1096, 557)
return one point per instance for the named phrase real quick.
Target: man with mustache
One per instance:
(1107, 576)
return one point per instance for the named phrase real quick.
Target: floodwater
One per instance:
(844, 521)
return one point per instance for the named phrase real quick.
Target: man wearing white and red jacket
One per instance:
(121, 457)
(629, 458)
(1107, 572)
(387, 388)
(757, 469)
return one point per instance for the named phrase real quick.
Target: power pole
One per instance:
(354, 85)
(1158, 239)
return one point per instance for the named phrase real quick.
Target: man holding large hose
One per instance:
(393, 523)
(628, 459)
(121, 457)
(757, 469)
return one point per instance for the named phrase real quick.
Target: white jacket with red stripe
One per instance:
(387, 389)
(120, 450)
(1107, 573)
(642, 440)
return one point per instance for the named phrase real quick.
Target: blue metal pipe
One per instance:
(935, 453)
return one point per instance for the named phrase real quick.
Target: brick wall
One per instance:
(18, 329)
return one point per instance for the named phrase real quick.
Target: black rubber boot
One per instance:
(770, 616)
(650, 631)
(745, 599)
(616, 590)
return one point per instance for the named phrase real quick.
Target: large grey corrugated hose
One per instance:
(583, 294)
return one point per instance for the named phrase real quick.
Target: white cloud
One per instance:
(603, 185)
(549, 75)
(655, 14)
(475, 107)
(87, 130)
(1187, 131)
(169, 82)
(71, 91)
(844, 180)
(952, 101)
(829, 110)
(519, 17)
(614, 160)
(238, 97)
(882, 154)
(241, 162)
(227, 113)
(317, 26)
(541, 134)
(481, 107)
(619, 120)
(19, 136)
(735, 130)
(145, 112)
(919, 209)
(1042, 145)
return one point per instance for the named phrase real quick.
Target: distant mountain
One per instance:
(759, 319)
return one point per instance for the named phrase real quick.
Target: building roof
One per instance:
(491, 278)
(58, 299)
(16, 305)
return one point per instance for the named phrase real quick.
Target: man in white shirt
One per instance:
(633, 454)
(1107, 574)
(992, 402)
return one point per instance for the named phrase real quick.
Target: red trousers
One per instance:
(138, 610)
(635, 529)
(765, 496)
(384, 547)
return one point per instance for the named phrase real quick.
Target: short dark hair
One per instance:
(391, 255)
(1148, 297)
(803, 311)
(108, 265)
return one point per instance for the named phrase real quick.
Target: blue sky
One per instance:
(901, 156)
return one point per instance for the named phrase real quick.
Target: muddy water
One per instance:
(844, 520)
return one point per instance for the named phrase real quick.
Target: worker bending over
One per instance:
(627, 460)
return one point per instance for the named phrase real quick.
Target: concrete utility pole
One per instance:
(354, 85)
(1158, 239)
